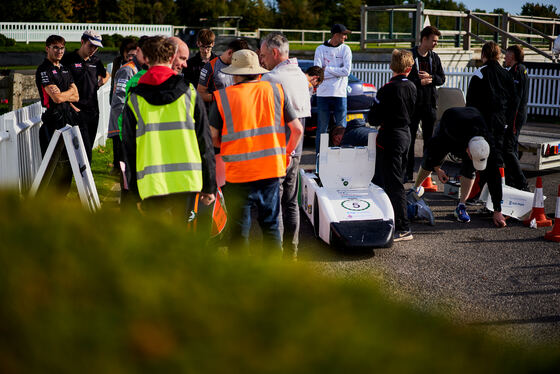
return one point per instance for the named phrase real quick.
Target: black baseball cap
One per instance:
(339, 28)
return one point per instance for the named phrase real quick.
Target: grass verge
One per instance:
(114, 292)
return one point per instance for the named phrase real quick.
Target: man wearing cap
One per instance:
(463, 132)
(275, 51)
(248, 123)
(89, 74)
(336, 58)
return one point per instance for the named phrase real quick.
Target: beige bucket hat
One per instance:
(244, 62)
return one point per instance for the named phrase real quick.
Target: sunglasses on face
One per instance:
(57, 49)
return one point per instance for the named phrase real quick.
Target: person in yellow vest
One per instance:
(248, 122)
(166, 138)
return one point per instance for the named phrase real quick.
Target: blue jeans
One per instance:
(326, 106)
(240, 198)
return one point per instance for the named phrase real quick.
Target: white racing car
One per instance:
(344, 207)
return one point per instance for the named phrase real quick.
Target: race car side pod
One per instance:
(538, 207)
(554, 235)
(428, 185)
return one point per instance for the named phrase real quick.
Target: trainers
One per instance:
(461, 213)
(402, 235)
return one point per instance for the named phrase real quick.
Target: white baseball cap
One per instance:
(479, 150)
(94, 37)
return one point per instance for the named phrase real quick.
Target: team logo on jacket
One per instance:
(78, 65)
(54, 71)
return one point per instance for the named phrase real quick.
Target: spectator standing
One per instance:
(392, 111)
(514, 61)
(491, 91)
(248, 123)
(121, 79)
(211, 76)
(275, 51)
(166, 138)
(57, 92)
(336, 58)
(315, 76)
(89, 74)
(127, 52)
(205, 42)
(427, 73)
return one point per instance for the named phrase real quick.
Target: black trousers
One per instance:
(390, 164)
(89, 121)
(428, 117)
(62, 175)
(513, 172)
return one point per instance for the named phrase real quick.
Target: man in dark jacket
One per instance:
(392, 111)
(166, 137)
(427, 73)
(463, 132)
(518, 72)
(205, 42)
(491, 92)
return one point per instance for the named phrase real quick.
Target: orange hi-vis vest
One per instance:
(253, 136)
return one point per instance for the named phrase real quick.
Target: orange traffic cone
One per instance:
(428, 185)
(503, 176)
(538, 207)
(554, 235)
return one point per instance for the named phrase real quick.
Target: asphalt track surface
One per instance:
(505, 281)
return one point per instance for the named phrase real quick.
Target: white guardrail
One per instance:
(72, 32)
(544, 84)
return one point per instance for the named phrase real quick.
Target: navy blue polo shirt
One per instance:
(86, 74)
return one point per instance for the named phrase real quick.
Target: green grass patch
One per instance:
(119, 293)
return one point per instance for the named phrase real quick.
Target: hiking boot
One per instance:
(461, 213)
(402, 235)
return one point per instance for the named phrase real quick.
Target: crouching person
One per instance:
(392, 112)
(166, 138)
(463, 132)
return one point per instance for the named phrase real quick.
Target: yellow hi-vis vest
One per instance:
(167, 154)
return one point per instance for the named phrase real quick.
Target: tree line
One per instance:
(294, 14)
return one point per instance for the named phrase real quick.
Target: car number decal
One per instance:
(355, 205)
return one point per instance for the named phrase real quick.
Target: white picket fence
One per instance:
(20, 153)
(544, 84)
(72, 32)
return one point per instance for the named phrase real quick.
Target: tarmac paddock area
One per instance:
(505, 281)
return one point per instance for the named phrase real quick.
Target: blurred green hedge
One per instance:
(115, 293)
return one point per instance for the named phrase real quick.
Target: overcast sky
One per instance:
(511, 6)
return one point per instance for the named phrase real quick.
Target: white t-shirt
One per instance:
(337, 62)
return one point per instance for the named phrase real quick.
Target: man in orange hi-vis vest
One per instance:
(248, 123)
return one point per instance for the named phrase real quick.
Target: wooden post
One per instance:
(467, 37)
(419, 10)
(505, 27)
(363, 36)
(15, 91)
